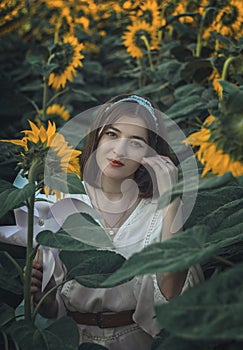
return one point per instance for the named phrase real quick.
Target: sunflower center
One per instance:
(230, 15)
(148, 16)
(63, 56)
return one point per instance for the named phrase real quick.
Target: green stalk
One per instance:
(200, 33)
(140, 83)
(44, 100)
(226, 67)
(143, 37)
(34, 169)
(45, 90)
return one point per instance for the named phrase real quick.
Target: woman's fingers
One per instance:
(165, 170)
(37, 273)
(37, 265)
(35, 286)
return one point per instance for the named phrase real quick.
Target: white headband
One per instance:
(141, 101)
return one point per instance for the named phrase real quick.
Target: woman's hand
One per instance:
(167, 176)
(165, 171)
(48, 308)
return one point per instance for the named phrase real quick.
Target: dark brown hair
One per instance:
(108, 114)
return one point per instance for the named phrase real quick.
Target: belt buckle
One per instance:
(99, 319)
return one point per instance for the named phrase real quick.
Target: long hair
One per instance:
(111, 111)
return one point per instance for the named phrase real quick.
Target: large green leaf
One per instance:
(60, 335)
(188, 187)
(212, 310)
(184, 91)
(186, 108)
(225, 216)
(195, 245)
(209, 201)
(171, 342)
(61, 240)
(4, 185)
(13, 197)
(91, 268)
(84, 228)
(6, 314)
(66, 183)
(9, 275)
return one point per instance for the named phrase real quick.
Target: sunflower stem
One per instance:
(44, 101)
(200, 32)
(29, 251)
(33, 104)
(56, 95)
(140, 84)
(143, 37)
(226, 67)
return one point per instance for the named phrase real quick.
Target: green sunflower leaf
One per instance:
(66, 183)
(91, 268)
(62, 335)
(61, 240)
(204, 184)
(13, 197)
(212, 310)
(6, 314)
(196, 245)
(85, 229)
(9, 275)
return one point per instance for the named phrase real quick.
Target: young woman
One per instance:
(126, 167)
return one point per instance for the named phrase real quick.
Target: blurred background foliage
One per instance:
(60, 57)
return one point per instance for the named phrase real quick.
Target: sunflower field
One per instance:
(62, 57)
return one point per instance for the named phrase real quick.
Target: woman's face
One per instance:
(122, 147)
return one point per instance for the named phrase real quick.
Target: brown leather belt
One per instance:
(103, 319)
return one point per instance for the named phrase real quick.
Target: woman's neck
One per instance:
(114, 196)
(115, 189)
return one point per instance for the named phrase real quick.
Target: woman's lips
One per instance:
(115, 163)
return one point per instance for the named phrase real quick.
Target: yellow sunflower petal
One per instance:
(16, 142)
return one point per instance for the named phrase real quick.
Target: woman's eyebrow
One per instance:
(130, 137)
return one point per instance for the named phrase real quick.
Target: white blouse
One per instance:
(142, 227)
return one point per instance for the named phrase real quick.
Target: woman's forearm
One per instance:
(171, 283)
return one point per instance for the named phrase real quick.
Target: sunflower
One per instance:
(229, 19)
(57, 110)
(39, 142)
(149, 11)
(133, 38)
(68, 58)
(212, 157)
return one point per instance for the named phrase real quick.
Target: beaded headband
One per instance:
(142, 102)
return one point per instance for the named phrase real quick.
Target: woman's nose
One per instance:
(120, 146)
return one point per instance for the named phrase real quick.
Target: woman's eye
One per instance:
(110, 134)
(137, 144)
